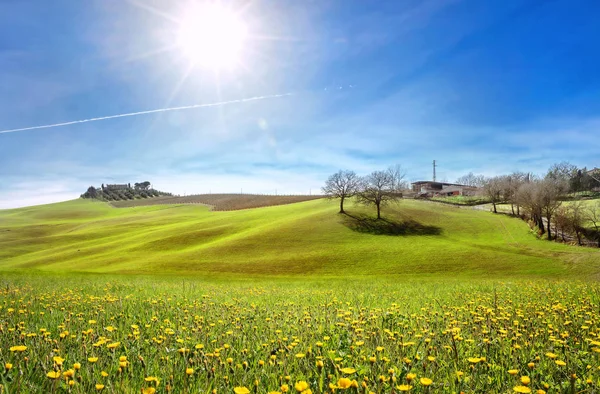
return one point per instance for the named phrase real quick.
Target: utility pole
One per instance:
(434, 165)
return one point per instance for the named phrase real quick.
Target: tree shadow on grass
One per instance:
(384, 226)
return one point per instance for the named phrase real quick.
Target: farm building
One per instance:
(431, 189)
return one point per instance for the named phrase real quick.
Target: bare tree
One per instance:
(512, 183)
(592, 213)
(379, 188)
(493, 188)
(342, 185)
(550, 192)
(528, 197)
(471, 180)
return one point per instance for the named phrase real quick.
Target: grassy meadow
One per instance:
(294, 298)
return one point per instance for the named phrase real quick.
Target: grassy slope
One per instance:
(306, 239)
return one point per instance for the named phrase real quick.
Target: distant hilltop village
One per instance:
(118, 192)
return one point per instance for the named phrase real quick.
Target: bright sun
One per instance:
(211, 35)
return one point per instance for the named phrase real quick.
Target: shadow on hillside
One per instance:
(384, 226)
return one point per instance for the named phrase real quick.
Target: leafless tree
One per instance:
(528, 198)
(342, 185)
(592, 213)
(511, 185)
(550, 192)
(493, 188)
(379, 188)
(471, 180)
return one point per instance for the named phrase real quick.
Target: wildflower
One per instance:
(53, 374)
(551, 355)
(425, 381)
(301, 386)
(474, 360)
(241, 390)
(113, 345)
(319, 364)
(58, 360)
(522, 389)
(404, 387)
(8, 366)
(189, 371)
(93, 359)
(411, 376)
(76, 366)
(149, 390)
(285, 388)
(344, 383)
(69, 373)
(348, 371)
(104, 374)
(513, 371)
(525, 380)
(19, 348)
(560, 363)
(99, 387)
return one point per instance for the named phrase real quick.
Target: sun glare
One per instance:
(211, 35)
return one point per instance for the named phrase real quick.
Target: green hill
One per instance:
(309, 239)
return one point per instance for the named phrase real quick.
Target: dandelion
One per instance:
(99, 387)
(411, 376)
(525, 380)
(8, 366)
(189, 371)
(404, 387)
(560, 363)
(19, 348)
(301, 386)
(348, 371)
(425, 381)
(76, 366)
(149, 390)
(241, 390)
(344, 383)
(53, 374)
(513, 371)
(92, 359)
(521, 389)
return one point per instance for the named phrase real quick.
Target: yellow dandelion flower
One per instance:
(560, 363)
(513, 371)
(425, 381)
(301, 386)
(8, 366)
(521, 389)
(99, 387)
(241, 390)
(93, 359)
(344, 383)
(189, 371)
(19, 348)
(53, 374)
(348, 371)
(525, 380)
(149, 390)
(404, 387)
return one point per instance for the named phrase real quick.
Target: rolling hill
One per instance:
(307, 239)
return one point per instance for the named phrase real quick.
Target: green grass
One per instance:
(307, 239)
(463, 200)
(458, 336)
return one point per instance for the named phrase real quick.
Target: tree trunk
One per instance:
(518, 210)
(512, 207)
(549, 229)
(342, 205)
(378, 210)
(494, 204)
(540, 223)
(578, 237)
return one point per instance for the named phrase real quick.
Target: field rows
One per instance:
(219, 202)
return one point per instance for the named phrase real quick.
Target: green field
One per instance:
(309, 239)
(294, 298)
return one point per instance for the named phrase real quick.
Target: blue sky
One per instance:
(482, 86)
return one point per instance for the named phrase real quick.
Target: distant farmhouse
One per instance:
(435, 189)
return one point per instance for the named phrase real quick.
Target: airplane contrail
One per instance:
(152, 111)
